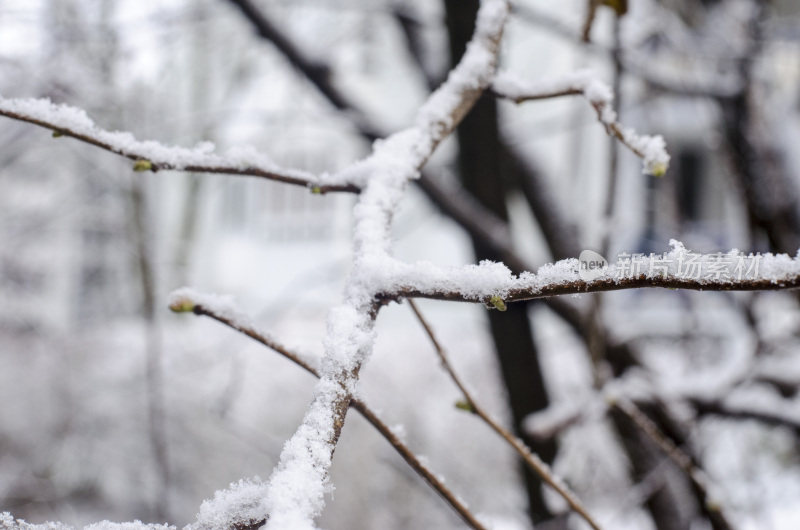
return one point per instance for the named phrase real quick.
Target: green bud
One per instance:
(57, 134)
(142, 165)
(316, 190)
(465, 405)
(497, 303)
(182, 305)
(658, 170)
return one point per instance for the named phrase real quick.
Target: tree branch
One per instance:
(384, 175)
(318, 73)
(183, 302)
(530, 458)
(679, 87)
(528, 287)
(651, 149)
(149, 155)
(454, 202)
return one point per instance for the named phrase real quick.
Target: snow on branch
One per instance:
(247, 494)
(7, 522)
(295, 493)
(494, 284)
(150, 155)
(296, 490)
(651, 149)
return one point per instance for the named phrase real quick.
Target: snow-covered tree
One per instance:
(622, 407)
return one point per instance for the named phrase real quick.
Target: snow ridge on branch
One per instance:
(678, 269)
(248, 494)
(150, 155)
(295, 493)
(651, 149)
(7, 522)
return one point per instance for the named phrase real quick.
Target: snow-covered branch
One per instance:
(296, 490)
(494, 284)
(222, 310)
(150, 155)
(651, 149)
(295, 494)
(8, 522)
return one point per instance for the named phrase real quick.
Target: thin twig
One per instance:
(638, 68)
(392, 164)
(599, 95)
(316, 71)
(156, 165)
(530, 458)
(591, 12)
(403, 450)
(471, 215)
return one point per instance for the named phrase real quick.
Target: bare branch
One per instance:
(651, 149)
(530, 458)
(317, 72)
(69, 121)
(186, 304)
(591, 13)
(632, 63)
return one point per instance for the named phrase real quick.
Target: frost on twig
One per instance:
(295, 493)
(677, 269)
(297, 487)
(222, 309)
(247, 494)
(149, 155)
(651, 149)
(7, 522)
(241, 504)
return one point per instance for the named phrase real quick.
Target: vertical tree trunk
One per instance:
(479, 164)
